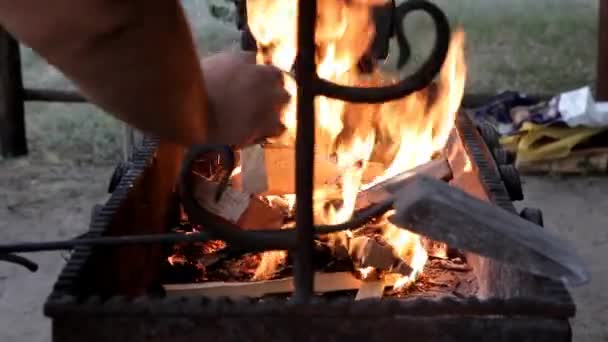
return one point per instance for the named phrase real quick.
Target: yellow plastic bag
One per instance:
(538, 142)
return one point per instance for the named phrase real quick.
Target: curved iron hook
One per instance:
(19, 260)
(412, 83)
(254, 240)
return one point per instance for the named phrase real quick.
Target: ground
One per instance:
(545, 46)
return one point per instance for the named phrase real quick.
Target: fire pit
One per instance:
(374, 280)
(117, 293)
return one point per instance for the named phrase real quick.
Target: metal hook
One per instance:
(418, 80)
(19, 260)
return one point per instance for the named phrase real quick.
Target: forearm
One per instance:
(134, 58)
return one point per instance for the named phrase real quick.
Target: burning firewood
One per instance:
(247, 211)
(373, 284)
(371, 289)
(270, 170)
(323, 283)
(377, 253)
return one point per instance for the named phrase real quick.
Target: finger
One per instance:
(275, 130)
(271, 73)
(247, 57)
(281, 98)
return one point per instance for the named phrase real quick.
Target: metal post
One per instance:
(13, 142)
(602, 53)
(305, 76)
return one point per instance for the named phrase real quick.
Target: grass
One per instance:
(542, 46)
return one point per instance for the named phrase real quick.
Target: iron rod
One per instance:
(13, 142)
(52, 95)
(25, 247)
(306, 75)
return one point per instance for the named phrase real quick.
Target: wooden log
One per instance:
(374, 252)
(373, 286)
(323, 283)
(270, 170)
(371, 289)
(248, 212)
(13, 141)
(445, 213)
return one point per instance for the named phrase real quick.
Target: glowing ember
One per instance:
(365, 272)
(400, 134)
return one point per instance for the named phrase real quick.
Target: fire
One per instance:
(400, 134)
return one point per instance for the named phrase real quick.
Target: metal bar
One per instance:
(266, 241)
(306, 74)
(27, 247)
(602, 53)
(51, 95)
(13, 142)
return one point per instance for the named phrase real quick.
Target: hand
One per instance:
(245, 99)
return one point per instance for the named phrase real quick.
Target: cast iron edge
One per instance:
(497, 192)
(101, 219)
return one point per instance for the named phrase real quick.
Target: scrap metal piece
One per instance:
(445, 213)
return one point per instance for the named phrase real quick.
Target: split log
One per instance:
(366, 251)
(323, 283)
(445, 213)
(247, 211)
(371, 289)
(270, 170)
(369, 252)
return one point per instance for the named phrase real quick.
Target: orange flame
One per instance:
(401, 134)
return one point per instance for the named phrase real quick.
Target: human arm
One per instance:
(136, 59)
